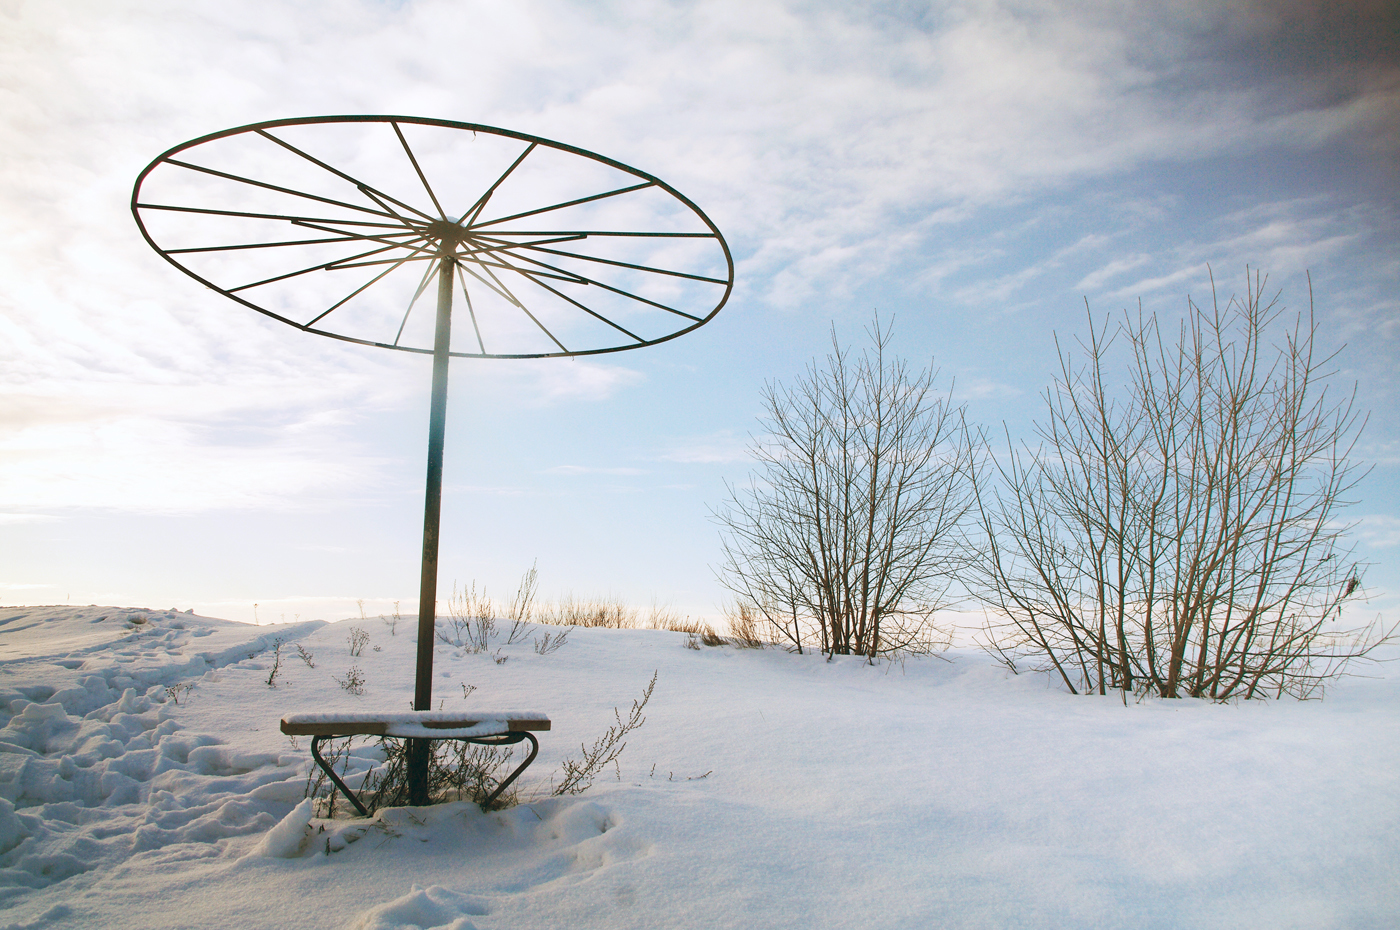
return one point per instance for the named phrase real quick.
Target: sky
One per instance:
(976, 172)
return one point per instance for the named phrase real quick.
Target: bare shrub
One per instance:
(578, 774)
(1182, 536)
(552, 642)
(849, 535)
(354, 680)
(306, 656)
(470, 621)
(469, 604)
(457, 771)
(478, 635)
(177, 691)
(276, 663)
(522, 606)
(357, 640)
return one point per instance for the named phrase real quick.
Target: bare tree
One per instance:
(1182, 539)
(847, 535)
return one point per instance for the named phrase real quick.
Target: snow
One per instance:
(414, 718)
(289, 837)
(144, 783)
(474, 723)
(434, 906)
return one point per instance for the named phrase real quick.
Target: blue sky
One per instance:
(975, 170)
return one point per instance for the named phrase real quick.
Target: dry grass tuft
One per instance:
(607, 611)
(664, 618)
(743, 625)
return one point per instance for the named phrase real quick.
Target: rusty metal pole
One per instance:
(419, 750)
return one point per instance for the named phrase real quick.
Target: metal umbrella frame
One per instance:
(557, 252)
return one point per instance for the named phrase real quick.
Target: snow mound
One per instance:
(431, 908)
(44, 919)
(289, 836)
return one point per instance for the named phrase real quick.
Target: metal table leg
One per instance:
(505, 739)
(344, 789)
(509, 739)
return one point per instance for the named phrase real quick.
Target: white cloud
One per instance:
(1378, 530)
(1097, 279)
(719, 448)
(544, 382)
(9, 586)
(14, 518)
(830, 142)
(148, 463)
(976, 387)
(1378, 452)
(816, 134)
(584, 470)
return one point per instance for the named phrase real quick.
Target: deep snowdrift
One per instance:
(144, 783)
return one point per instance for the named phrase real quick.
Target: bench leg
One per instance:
(420, 758)
(509, 739)
(506, 739)
(344, 789)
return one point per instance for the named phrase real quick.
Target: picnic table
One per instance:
(488, 728)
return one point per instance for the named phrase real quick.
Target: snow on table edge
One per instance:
(428, 723)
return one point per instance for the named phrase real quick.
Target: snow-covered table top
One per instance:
(433, 724)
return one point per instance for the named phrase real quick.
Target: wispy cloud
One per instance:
(1000, 156)
(1378, 451)
(1114, 268)
(10, 586)
(14, 518)
(1379, 531)
(977, 387)
(585, 470)
(717, 448)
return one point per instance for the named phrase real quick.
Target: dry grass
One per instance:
(700, 632)
(708, 637)
(466, 604)
(743, 625)
(467, 609)
(665, 618)
(607, 611)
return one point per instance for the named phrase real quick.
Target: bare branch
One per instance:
(850, 532)
(1183, 537)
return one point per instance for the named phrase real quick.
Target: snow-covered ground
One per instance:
(765, 789)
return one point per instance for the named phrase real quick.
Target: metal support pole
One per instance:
(420, 749)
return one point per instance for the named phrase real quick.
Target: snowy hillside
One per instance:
(144, 784)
